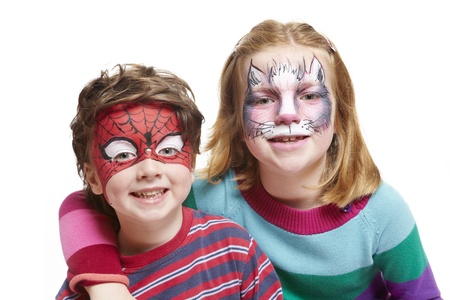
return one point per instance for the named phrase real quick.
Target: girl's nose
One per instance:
(287, 112)
(287, 119)
(148, 168)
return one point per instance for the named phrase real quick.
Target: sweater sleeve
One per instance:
(400, 254)
(89, 245)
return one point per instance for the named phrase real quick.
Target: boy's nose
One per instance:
(148, 168)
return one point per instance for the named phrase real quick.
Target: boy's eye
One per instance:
(124, 156)
(168, 152)
(120, 150)
(170, 146)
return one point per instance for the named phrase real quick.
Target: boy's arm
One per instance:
(88, 241)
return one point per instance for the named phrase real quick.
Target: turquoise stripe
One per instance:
(314, 254)
(389, 217)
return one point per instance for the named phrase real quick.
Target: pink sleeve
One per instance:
(88, 241)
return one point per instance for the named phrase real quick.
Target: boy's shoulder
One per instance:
(203, 216)
(206, 220)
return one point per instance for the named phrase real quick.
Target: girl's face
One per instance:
(142, 166)
(288, 109)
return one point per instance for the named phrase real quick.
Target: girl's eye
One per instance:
(264, 101)
(124, 156)
(310, 97)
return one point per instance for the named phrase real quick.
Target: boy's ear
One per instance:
(92, 179)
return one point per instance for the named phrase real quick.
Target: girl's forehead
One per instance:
(291, 55)
(289, 59)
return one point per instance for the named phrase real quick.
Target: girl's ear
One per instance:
(92, 179)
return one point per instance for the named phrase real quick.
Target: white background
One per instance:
(396, 51)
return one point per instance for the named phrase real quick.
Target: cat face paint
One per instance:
(126, 135)
(286, 99)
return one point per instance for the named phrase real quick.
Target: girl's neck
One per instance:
(294, 190)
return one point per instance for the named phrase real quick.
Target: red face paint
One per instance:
(127, 134)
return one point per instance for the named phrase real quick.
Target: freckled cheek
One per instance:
(262, 114)
(116, 185)
(311, 112)
(181, 179)
(107, 169)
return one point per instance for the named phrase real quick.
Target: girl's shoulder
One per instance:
(222, 198)
(387, 199)
(389, 214)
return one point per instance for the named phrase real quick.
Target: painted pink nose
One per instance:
(287, 119)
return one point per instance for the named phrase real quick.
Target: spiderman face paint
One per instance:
(126, 135)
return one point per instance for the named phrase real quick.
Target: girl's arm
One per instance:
(109, 291)
(407, 271)
(400, 255)
(88, 241)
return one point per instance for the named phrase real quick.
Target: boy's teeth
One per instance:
(147, 195)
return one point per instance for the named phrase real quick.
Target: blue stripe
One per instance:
(187, 268)
(218, 289)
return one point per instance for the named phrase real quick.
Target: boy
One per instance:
(135, 136)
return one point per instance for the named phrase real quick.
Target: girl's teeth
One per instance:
(288, 139)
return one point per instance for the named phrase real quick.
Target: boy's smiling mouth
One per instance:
(149, 195)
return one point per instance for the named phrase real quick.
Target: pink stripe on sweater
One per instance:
(81, 228)
(72, 202)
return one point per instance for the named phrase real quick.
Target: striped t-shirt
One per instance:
(209, 257)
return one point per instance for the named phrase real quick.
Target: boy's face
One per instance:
(142, 166)
(288, 110)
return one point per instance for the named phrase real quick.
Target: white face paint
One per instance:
(270, 130)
